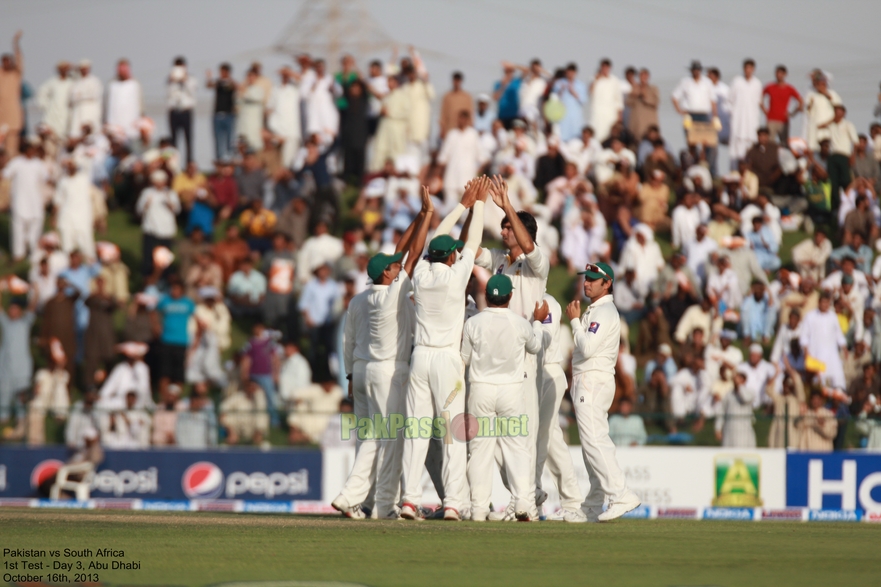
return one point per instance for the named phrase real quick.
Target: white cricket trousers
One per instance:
(592, 394)
(436, 389)
(490, 402)
(380, 386)
(530, 408)
(552, 448)
(25, 235)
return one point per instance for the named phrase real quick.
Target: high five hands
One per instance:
(476, 189)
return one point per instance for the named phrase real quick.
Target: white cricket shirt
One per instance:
(495, 343)
(597, 338)
(528, 273)
(439, 291)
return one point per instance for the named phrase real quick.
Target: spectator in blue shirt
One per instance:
(506, 93)
(757, 317)
(664, 360)
(174, 310)
(764, 245)
(317, 301)
(79, 276)
(573, 94)
(856, 250)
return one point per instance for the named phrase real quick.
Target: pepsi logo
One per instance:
(202, 480)
(45, 471)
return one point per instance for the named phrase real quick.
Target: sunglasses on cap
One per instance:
(596, 269)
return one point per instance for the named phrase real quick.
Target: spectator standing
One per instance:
(74, 214)
(506, 93)
(131, 374)
(181, 101)
(454, 102)
(843, 137)
(261, 363)
(780, 94)
(28, 176)
(734, 422)
(86, 100)
(746, 101)
(124, 101)
(355, 132)
(461, 156)
(822, 339)
(250, 112)
(573, 94)
(643, 102)
(158, 207)
(100, 335)
(606, 100)
(16, 362)
(224, 119)
(820, 109)
(53, 99)
(11, 110)
(174, 310)
(284, 116)
(317, 302)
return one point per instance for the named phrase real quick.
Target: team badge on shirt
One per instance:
(501, 269)
(549, 319)
(594, 326)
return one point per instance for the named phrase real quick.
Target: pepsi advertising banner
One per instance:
(253, 475)
(848, 481)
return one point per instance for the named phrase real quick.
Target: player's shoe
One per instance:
(616, 510)
(592, 514)
(368, 511)
(541, 496)
(571, 516)
(437, 514)
(392, 514)
(341, 505)
(411, 512)
(479, 515)
(505, 516)
(451, 515)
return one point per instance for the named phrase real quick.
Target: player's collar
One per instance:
(606, 299)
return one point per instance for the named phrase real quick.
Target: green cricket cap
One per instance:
(442, 246)
(379, 263)
(499, 285)
(598, 271)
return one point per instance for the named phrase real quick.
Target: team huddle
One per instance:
(406, 359)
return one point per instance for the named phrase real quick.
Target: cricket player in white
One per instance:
(437, 374)
(378, 342)
(597, 338)
(552, 448)
(528, 267)
(494, 345)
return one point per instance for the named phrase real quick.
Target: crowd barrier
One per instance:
(687, 482)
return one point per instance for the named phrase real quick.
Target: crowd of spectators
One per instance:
(317, 171)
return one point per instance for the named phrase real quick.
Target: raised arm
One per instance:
(475, 229)
(16, 49)
(468, 199)
(417, 242)
(499, 191)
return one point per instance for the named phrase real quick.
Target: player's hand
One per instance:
(484, 186)
(541, 312)
(573, 310)
(427, 204)
(470, 195)
(499, 191)
(350, 389)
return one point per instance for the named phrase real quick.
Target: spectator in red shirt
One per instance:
(225, 189)
(779, 94)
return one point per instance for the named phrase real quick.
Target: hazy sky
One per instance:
(470, 35)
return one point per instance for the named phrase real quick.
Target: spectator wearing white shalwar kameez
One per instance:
(461, 155)
(606, 101)
(745, 97)
(249, 121)
(822, 339)
(322, 116)
(74, 215)
(284, 118)
(28, 175)
(643, 254)
(86, 100)
(53, 98)
(124, 101)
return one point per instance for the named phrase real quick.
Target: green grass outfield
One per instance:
(210, 549)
